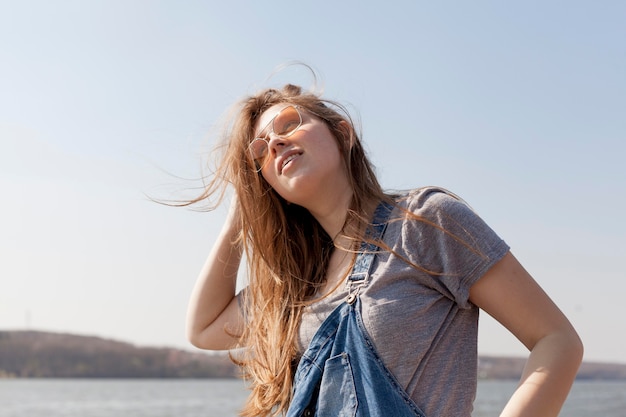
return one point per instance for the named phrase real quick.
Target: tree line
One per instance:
(32, 354)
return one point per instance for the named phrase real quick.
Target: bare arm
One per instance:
(509, 294)
(213, 316)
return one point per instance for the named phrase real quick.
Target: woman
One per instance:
(360, 302)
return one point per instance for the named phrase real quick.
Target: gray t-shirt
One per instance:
(422, 324)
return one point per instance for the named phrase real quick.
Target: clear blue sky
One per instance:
(518, 107)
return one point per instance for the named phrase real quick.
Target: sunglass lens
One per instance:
(258, 149)
(287, 121)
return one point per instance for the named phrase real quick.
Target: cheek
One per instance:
(331, 153)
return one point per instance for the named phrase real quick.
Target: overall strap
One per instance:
(361, 270)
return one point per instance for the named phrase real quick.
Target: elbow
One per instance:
(573, 352)
(199, 339)
(219, 332)
(210, 339)
(577, 348)
(572, 344)
(562, 349)
(195, 341)
(193, 337)
(196, 334)
(569, 348)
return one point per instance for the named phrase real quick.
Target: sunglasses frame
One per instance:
(266, 140)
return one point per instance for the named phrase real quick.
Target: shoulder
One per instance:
(435, 213)
(435, 203)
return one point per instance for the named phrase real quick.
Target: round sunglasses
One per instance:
(282, 125)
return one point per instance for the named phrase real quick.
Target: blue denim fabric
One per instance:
(340, 374)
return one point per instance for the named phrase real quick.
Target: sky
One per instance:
(518, 107)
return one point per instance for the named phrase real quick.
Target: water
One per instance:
(587, 398)
(220, 398)
(120, 398)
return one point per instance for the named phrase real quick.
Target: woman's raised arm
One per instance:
(213, 316)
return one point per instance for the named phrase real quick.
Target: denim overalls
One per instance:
(340, 374)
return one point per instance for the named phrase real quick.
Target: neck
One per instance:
(333, 219)
(333, 213)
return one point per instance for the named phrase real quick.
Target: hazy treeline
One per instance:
(42, 354)
(31, 354)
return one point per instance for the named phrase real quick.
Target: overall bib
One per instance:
(340, 374)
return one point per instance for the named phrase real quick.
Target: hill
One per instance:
(490, 367)
(43, 355)
(32, 354)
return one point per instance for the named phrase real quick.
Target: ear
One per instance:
(348, 132)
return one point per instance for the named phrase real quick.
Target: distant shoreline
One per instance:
(38, 354)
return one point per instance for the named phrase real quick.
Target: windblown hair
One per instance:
(287, 251)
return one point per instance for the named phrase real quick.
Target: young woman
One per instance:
(360, 302)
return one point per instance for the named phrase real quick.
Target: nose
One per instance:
(275, 143)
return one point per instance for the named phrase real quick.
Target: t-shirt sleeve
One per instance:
(241, 302)
(452, 243)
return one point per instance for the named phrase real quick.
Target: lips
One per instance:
(286, 158)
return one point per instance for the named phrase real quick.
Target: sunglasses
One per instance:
(282, 125)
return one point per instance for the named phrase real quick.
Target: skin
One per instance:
(317, 180)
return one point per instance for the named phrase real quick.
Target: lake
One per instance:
(217, 398)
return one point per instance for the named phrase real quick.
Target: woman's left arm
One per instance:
(509, 294)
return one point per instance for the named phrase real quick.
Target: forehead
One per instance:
(267, 116)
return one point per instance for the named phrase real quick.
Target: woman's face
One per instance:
(306, 166)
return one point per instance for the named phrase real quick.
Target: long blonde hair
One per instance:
(287, 251)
